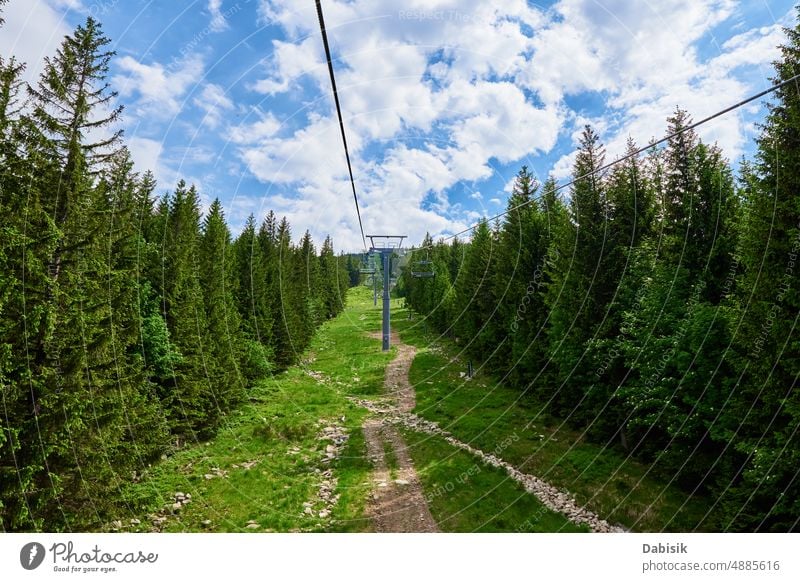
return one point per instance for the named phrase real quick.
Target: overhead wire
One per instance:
(624, 158)
(324, 32)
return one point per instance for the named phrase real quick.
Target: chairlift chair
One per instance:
(423, 274)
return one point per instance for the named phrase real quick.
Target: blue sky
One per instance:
(443, 100)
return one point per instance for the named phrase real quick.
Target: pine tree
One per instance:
(762, 419)
(582, 285)
(514, 257)
(190, 396)
(251, 292)
(79, 366)
(216, 277)
(475, 300)
(529, 320)
(330, 290)
(286, 331)
(676, 344)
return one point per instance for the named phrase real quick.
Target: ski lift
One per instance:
(426, 272)
(368, 265)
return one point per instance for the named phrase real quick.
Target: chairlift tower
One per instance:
(386, 245)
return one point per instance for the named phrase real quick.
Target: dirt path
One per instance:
(397, 503)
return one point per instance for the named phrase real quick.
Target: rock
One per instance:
(180, 495)
(324, 513)
(205, 522)
(253, 526)
(116, 524)
(135, 521)
(401, 481)
(308, 511)
(207, 476)
(176, 506)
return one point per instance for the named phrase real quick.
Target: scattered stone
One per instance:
(252, 526)
(401, 481)
(135, 521)
(176, 506)
(116, 524)
(551, 497)
(205, 522)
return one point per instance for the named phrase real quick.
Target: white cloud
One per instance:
(288, 62)
(754, 47)
(215, 103)
(218, 22)
(147, 154)
(158, 90)
(312, 154)
(253, 133)
(33, 30)
(435, 93)
(68, 4)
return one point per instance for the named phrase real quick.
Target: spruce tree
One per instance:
(762, 419)
(475, 300)
(582, 285)
(190, 395)
(330, 288)
(216, 278)
(514, 257)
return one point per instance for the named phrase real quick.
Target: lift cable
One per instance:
(627, 156)
(339, 112)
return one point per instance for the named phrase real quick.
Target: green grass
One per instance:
(488, 415)
(278, 429)
(466, 495)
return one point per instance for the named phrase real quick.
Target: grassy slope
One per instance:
(279, 428)
(487, 414)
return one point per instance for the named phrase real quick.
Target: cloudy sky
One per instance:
(444, 100)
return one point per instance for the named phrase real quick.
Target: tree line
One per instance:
(130, 323)
(656, 307)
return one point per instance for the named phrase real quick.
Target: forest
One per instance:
(131, 322)
(654, 306)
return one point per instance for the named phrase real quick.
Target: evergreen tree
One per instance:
(216, 277)
(286, 328)
(529, 320)
(762, 419)
(190, 395)
(475, 300)
(582, 285)
(252, 296)
(514, 257)
(330, 285)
